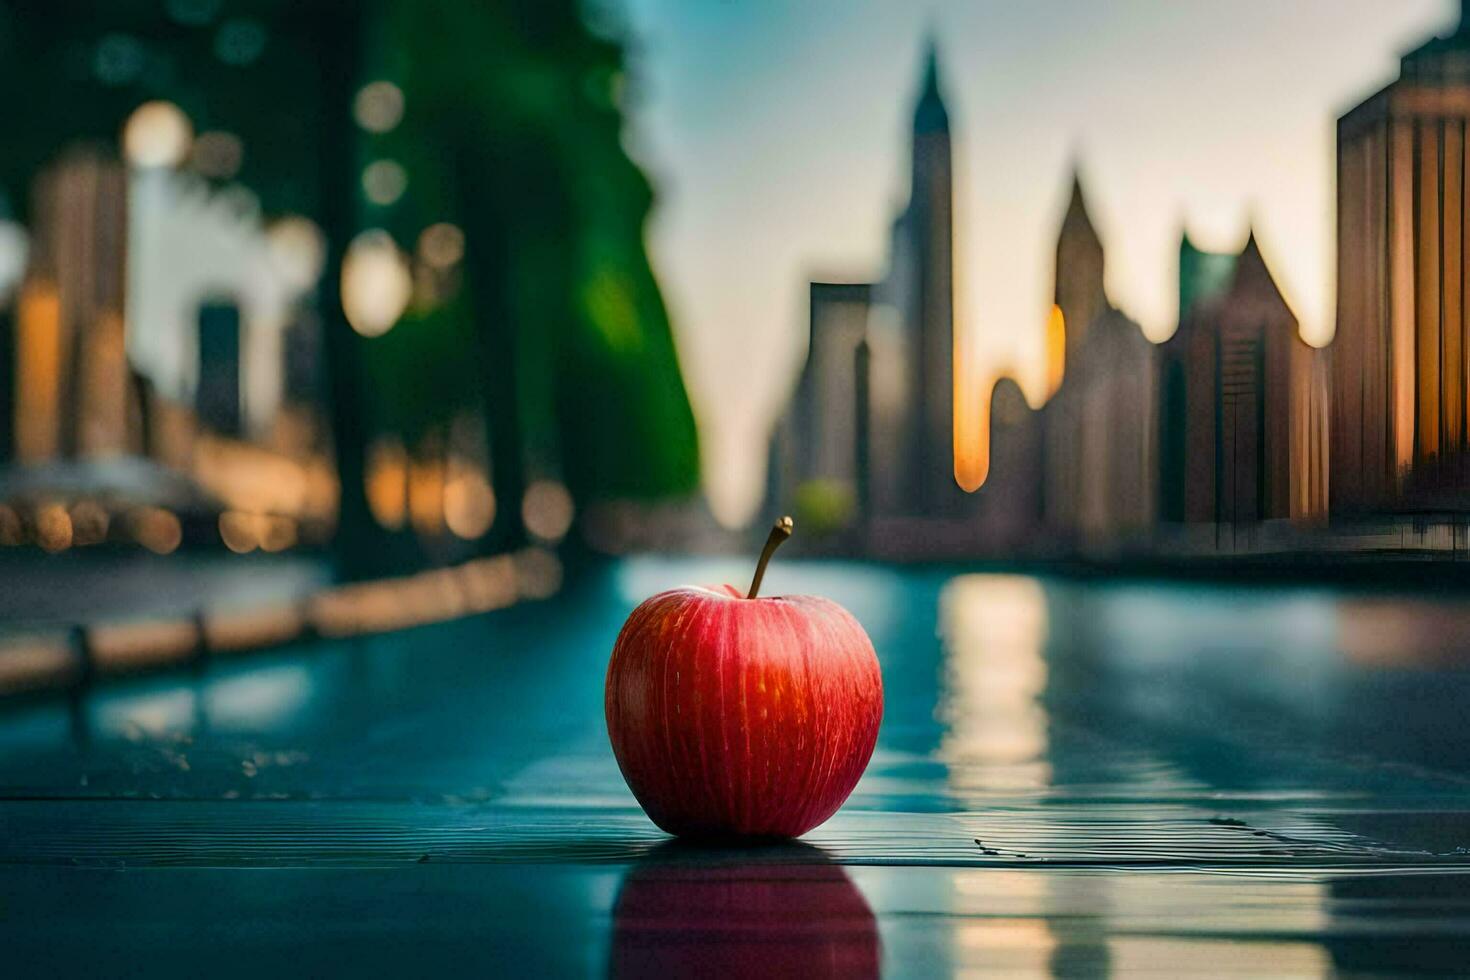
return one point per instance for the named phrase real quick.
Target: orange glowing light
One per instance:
(38, 373)
(387, 484)
(239, 531)
(53, 528)
(156, 529)
(1056, 349)
(971, 420)
(426, 496)
(469, 501)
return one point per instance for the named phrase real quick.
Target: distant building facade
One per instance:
(217, 392)
(1400, 411)
(1100, 441)
(1010, 506)
(817, 445)
(1243, 401)
(72, 390)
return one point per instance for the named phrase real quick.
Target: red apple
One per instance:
(732, 715)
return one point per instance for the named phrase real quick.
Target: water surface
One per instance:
(1072, 779)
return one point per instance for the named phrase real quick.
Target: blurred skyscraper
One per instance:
(818, 458)
(1242, 392)
(1400, 409)
(1099, 444)
(920, 286)
(881, 420)
(72, 390)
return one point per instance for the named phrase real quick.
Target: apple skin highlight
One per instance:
(734, 716)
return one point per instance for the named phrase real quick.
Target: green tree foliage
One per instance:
(513, 130)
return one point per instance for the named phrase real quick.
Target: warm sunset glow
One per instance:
(1056, 349)
(1401, 305)
(994, 629)
(971, 419)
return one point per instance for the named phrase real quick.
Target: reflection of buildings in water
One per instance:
(1073, 923)
(1094, 923)
(994, 628)
(1000, 924)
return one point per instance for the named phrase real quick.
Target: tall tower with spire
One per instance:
(1080, 295)
(920, 286)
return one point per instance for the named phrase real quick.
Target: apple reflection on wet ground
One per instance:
(788, 912)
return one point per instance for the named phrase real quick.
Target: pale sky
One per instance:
(775, 132)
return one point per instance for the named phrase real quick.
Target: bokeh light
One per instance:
(239, 531)
(157, 134)
(387, 483)
(547, 510)
(378, 107)
(469, 502)
(376, 283)
(217, 154)
(119, 59)
(156, 529)
(53, 527)
(89, 521)
(298, 250)
(384, 181)
(240, 42)
(441, 245)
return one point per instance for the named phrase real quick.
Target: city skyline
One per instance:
(803, 167)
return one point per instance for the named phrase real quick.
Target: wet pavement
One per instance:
(88, 584)
(1072, 779)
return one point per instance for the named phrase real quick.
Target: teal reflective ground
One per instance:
(1072, 779)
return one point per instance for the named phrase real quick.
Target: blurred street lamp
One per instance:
(157, 134)
(376, 283)
(378, 107)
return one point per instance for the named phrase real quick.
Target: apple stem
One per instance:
(778, 536)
